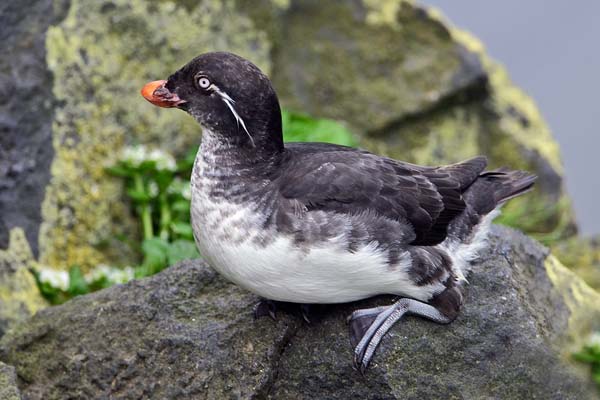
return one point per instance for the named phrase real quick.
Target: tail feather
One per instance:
(508, 184)
(490, 190)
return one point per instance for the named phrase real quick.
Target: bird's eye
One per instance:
(203, 82)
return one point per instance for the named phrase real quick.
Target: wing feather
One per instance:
(345, 180)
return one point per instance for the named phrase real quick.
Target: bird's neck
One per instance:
(222, 156)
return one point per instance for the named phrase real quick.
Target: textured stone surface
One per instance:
(581, 255)
(8, 383)
(186, 333)
(19, 295)
(26, 114)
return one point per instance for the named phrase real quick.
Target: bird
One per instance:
(320, 223)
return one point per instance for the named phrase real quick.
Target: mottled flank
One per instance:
(191, 335)
(100, 55)
(19, 295)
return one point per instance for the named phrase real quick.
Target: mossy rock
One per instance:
(8, 383)
(19, 295)
(582, 256)
(190, 334)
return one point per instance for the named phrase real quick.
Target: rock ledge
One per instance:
(186, 333)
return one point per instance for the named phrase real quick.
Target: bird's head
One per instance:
(228, 96)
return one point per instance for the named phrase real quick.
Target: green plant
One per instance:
(59, 286)
(590, 354)
(159, 190)
(531, 217)
(298, 127)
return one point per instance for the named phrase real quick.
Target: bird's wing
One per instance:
(344, 180)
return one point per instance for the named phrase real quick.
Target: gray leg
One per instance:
(373, 323)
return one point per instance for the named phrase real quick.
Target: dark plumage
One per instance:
(321, 223)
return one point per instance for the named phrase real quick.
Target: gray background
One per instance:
(552, 50)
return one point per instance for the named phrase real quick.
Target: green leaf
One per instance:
(100, 283)
(139, 196)
(155, 255)
(186, 163)
(147, 166)
(163, 179)
(77, 283)
(585, 357)
(182, 206)
(182, 229)
(303, 128)
(120, 170)
(182, 250)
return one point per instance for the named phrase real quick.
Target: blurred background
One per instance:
(549, 49)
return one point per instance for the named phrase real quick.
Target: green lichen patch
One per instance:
(19, 296)
(582, 256)
(101, 54)
(356, 62)
(582, 301)
(8, 383)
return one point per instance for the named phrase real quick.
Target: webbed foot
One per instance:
(369, 326)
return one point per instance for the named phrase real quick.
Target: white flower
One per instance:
(112, 274)
(594, 339)
(164, 161)
(182, 187)
(134, 155)
(186, 192)
(56, 279)
(121, 275)
(173, 188)
(97, 273)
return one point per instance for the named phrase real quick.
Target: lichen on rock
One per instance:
(101, 54)
(8, 383)
(19, 295)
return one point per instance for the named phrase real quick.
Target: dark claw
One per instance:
(305, 310)
(265, 308)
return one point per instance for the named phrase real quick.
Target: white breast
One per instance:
(228, 239)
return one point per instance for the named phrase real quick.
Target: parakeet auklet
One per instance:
(321, 223)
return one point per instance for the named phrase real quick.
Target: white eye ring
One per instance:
(203, 82)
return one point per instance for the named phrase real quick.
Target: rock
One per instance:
(582, 256)
(8, 383)
(186, 333)
(19, 295)
(26, 115)
(406, 82)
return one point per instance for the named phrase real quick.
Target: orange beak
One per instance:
(156, 93)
